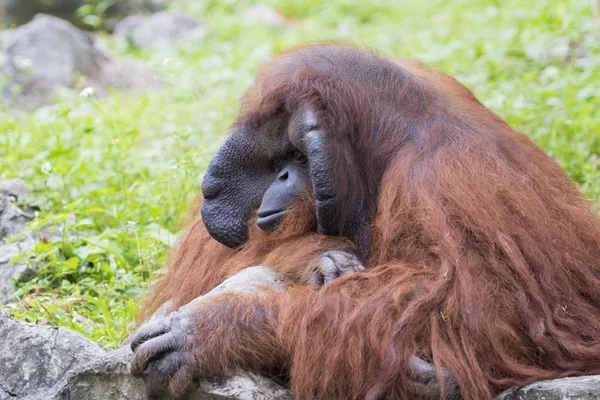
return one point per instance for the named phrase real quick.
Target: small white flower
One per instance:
(23, 62)
(491, 11)
(87, 92)
(46, 167)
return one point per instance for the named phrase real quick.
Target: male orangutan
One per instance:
(481, 256)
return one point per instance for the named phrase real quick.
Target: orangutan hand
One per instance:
(333, 264)
(164, 354)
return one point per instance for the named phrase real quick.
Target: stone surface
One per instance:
(13, 219)
(243, 387)
(105, 377)
(263, 14)
(22, 11)
(49, 53)
(131, 74)
(45, 54)
(16, 189)
(34, 358)
(10, 272)
(12, 222)
(50, 363)
(579, 388)
(161, 30)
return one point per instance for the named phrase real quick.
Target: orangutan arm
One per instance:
(264, 333)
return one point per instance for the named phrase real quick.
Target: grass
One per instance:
(119, 172)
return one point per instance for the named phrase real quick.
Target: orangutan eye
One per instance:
(277, 164)
(299, 157)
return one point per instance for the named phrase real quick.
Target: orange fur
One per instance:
(200, 263)
(501, 246)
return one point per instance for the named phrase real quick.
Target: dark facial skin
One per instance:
(293, 179)
(263, 170)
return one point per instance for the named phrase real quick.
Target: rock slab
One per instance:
(160, 31)
(49, 53)
(579, 388)
(22, 11)
(34, 358)
(13, 219)
(264, 15)
(52, 363)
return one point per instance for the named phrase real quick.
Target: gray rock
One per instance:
(160, 31)
(243, 386)
(263, 14)
(34, 358)
(22, 11)
(13, 219)
(49, 53)
(4, 202)
(46, 54)
(15, 188)
(124, 8)
(50, 363)
(580, 388)
(11, 272)
(127, 26)
(106, 377)
(131, 74)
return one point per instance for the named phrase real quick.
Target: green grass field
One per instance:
(121, 171)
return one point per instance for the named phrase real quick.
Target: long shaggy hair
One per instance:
(484, 258)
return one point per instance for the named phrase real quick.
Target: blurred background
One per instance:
(110, 111)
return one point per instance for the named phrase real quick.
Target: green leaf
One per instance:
(155, 231)
(108, 246)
